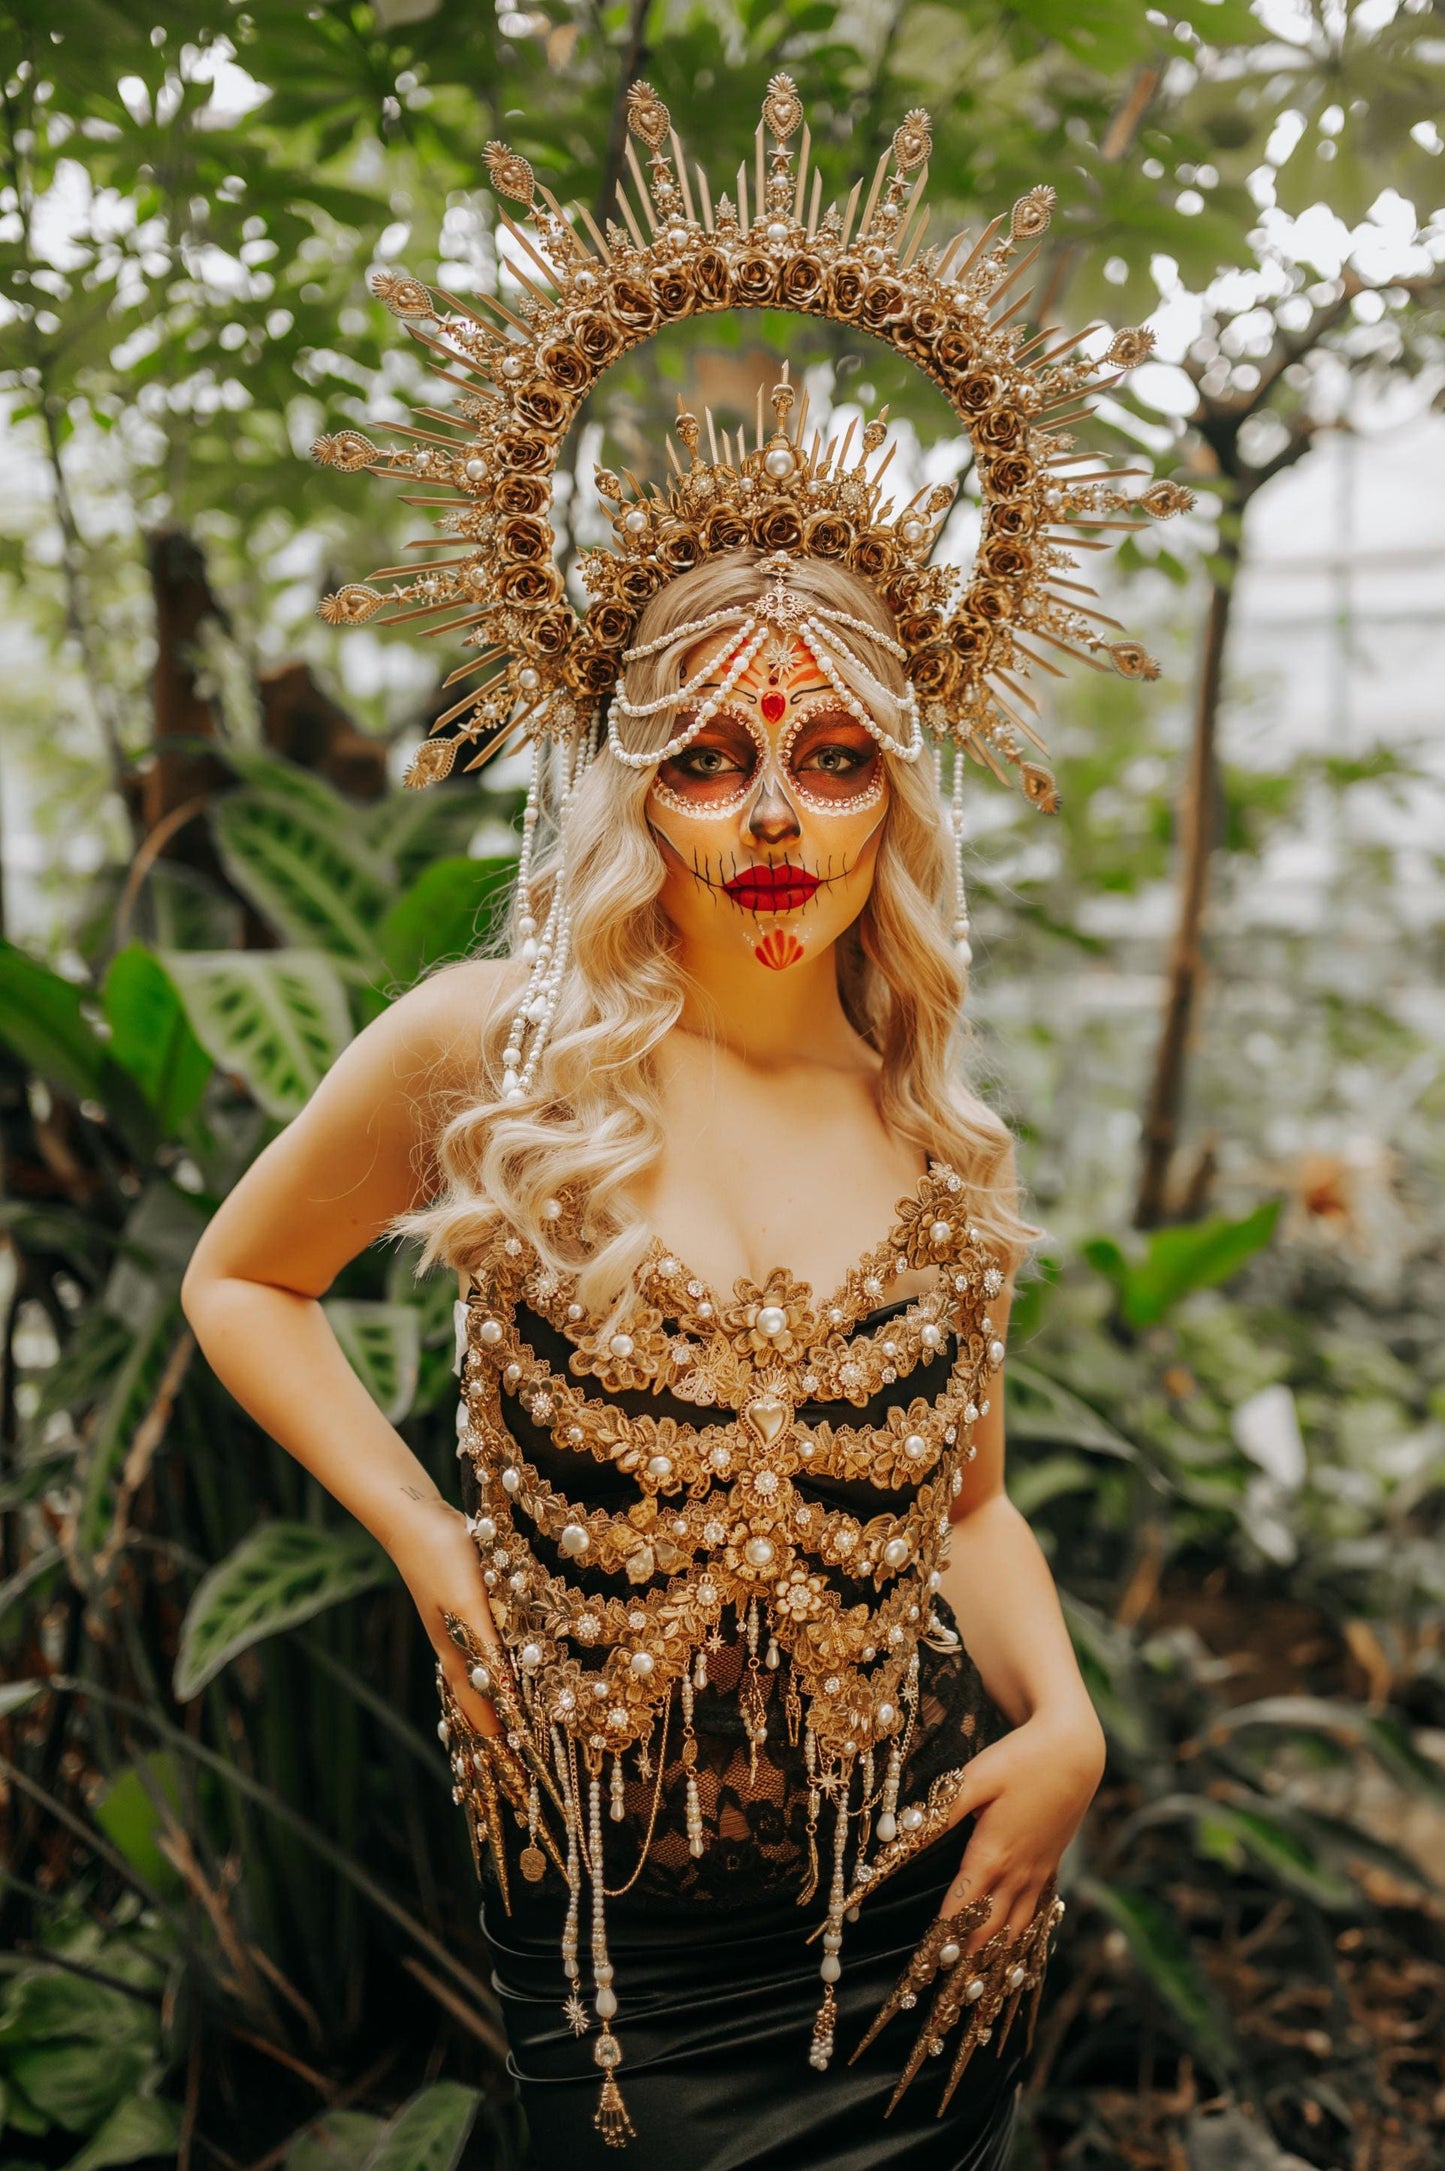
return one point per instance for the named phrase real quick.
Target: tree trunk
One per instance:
(1197, 822)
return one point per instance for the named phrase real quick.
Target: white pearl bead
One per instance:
(512, 367)
(642, 1663)
(528, 952)
(511, 1481)
(444, 1732)
(779, 463)
(995, 1353)
(574, 1540)
(963, 951)
(931, 1337)
(886, 1714)
(913, 531)
(490, 1332)
(1016, 1977)
(777, 231)
(831, 1968)
(771, 1320)
(911, 1819)
(551, 1209)
(974, 1989)
(475, 470)
(887, 1827)
(635, 521)
(485, 1529)
(915, 1445)
(949, 1954)
(759, 1552)
(528, 678)
(480, 1679)
(531, 1656)
(659, 1466)
(605, 2003)
(939, 1231)
(621, 1345)
(896, 1552)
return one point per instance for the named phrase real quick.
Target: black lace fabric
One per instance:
(754, 1797)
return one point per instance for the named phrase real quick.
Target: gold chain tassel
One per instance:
(611, 2119)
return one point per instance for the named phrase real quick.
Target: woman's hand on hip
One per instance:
(438, 1562)
(1028, 1792)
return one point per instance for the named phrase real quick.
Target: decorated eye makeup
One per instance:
(717, 771)
(832, 762)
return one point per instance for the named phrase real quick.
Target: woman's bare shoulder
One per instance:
(436, 1028)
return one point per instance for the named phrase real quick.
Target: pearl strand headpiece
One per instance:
(809, 623)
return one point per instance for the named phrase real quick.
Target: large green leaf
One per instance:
(151, 1037)
(130, 1817)
(340, 2141)
(448, 912)
(77, 2047)
(130, 1399)
(383, 1345)
(1041, 1408)
(1165, 1956)
(414, 829)
(136, 2130)
(1347, 1725)
(427, 2134)
(278, 1018)
(278, 1576)
(306, 869)
(1179, 1260)
(43, 1021)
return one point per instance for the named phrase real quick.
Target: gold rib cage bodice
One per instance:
(717, 1520)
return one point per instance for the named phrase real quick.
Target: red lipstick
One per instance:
(771, 889)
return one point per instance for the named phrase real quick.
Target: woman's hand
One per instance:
(439, 1565)
(1030, 1791)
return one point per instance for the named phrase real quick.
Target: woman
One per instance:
(739, 1639)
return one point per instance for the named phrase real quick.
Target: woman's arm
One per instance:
(1002, 1592)
(1031, 1788)
(359, 1153)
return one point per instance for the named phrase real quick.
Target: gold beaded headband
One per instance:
(521, 373)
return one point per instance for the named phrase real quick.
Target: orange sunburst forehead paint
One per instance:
(778, 949)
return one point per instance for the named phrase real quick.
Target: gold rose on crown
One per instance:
(519, 370)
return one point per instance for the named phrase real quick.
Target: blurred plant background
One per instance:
(235, 1923)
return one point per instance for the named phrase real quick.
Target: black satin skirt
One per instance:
(715, 2016)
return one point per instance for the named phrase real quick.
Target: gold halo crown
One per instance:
(522, 374)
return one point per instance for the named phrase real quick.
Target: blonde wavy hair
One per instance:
(592, 1126)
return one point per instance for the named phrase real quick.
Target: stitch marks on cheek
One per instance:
(778, 949)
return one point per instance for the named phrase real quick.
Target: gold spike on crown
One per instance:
(523, 372)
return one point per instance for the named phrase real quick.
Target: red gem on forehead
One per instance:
(772, 706)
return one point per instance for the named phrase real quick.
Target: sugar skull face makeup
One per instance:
(769, 820)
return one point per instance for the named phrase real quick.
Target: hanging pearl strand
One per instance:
(570, 1937)
(821, 2052)
(532, 1020)
(754, 636)
(961, 927)
(825, 655)
(531, 812)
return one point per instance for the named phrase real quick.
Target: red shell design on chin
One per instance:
(778, 949)
(772, 706)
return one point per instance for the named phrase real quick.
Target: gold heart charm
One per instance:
(767, 1414)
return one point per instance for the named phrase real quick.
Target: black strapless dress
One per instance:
(717, 1985)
